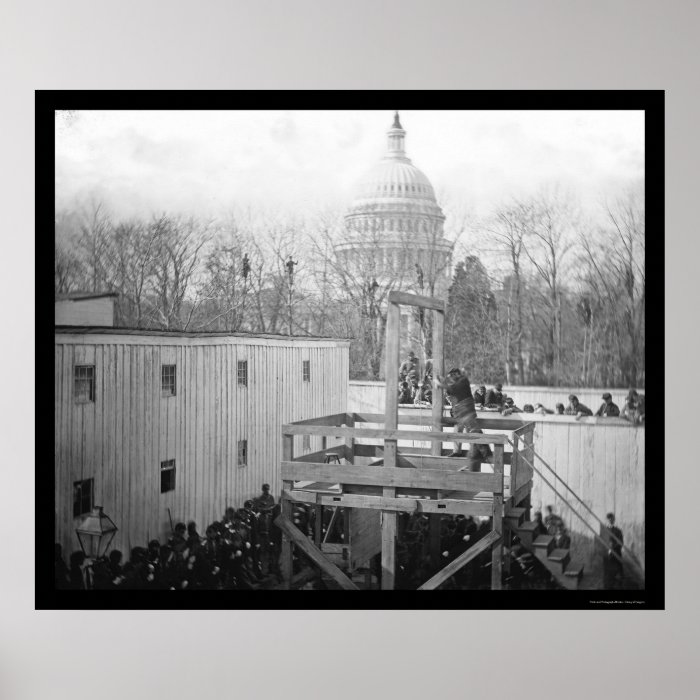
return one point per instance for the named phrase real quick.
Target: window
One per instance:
(306, 442)
(242, 453)
(306, 370)
(167, 380)
(243, 372)
(83, 492)
(167, 476)
(84, 383)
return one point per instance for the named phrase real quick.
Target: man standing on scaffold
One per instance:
(459, 394)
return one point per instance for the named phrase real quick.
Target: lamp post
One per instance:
(95, 533)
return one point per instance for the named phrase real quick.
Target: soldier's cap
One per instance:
(607, 396)
(455, 370)
(499, 386)
(572, 397)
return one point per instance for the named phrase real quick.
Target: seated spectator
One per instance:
(633, 410)
(424, 393)
(193, 538)
(559, 409)
(405, 393)
(428, 374)
(576, 408)
(528, 408)
(414, 385)
(509, 407)
(552, 521)
(494, 399)
(480, 395)
(408, 365)
(541, 410)
(607, 409)
(541, 529)
(561, 538)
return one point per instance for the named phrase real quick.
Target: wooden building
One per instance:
(85, 309)
(148, 422)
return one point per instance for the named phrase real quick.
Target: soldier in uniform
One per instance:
(608, 409)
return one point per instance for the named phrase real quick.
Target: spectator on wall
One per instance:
(608, 409)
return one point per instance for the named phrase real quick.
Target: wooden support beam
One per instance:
(287, 553)
(452, 464)
(416, 300)
(393, 477)
(302, 542)
(336, 419)
(350, 441)
(320, 456)
(396, 505)
(497, 551)
(491, 540)
(389, 434)
(391, 408)
(437, 411)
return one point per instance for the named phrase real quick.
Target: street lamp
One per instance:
(96, 533)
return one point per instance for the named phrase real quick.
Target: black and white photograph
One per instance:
(301, 353)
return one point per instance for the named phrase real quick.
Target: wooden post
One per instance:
(350, 443)
(287, 546)
(497, 550)
(530, 453)
(438, 356)
(391, 363)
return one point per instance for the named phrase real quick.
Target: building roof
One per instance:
(74, 296)
(111, 330)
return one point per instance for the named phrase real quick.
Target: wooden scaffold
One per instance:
(373, 478)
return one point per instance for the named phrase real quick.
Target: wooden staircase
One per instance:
(556, 561)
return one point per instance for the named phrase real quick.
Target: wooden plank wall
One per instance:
(601, 459)
(121, 439)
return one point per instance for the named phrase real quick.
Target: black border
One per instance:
(650, 101)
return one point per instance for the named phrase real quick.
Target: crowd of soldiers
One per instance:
(237, 552)
(417, 390)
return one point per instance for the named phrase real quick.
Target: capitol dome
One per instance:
(395, 195)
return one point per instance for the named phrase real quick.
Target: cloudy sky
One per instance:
(210, 162)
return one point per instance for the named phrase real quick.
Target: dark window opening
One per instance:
(85, 383)
(306, 369)
(242, 453)
(167, 476)
(167, 380)
(83, 492)
(243, 372)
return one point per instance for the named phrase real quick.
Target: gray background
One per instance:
(360, 44)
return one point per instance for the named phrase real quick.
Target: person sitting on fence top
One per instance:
(559, 409)
(576, 408)
(480, 395)
(405, 393)
(528, 408)
(410, 363)
(459, 393)
(424, 393)
(634, 407)
(509, 406)
(608, 409)
(494, 399)
(539, 408)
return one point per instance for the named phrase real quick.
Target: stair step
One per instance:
(574, 571)
(544, 542)
(515, 515)
(560, 557)
(529, 526)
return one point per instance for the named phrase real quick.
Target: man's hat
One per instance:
(499, 386)
(572, 397)
(607, 396)
(482, 387)
(266, 486)
(455, 370)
